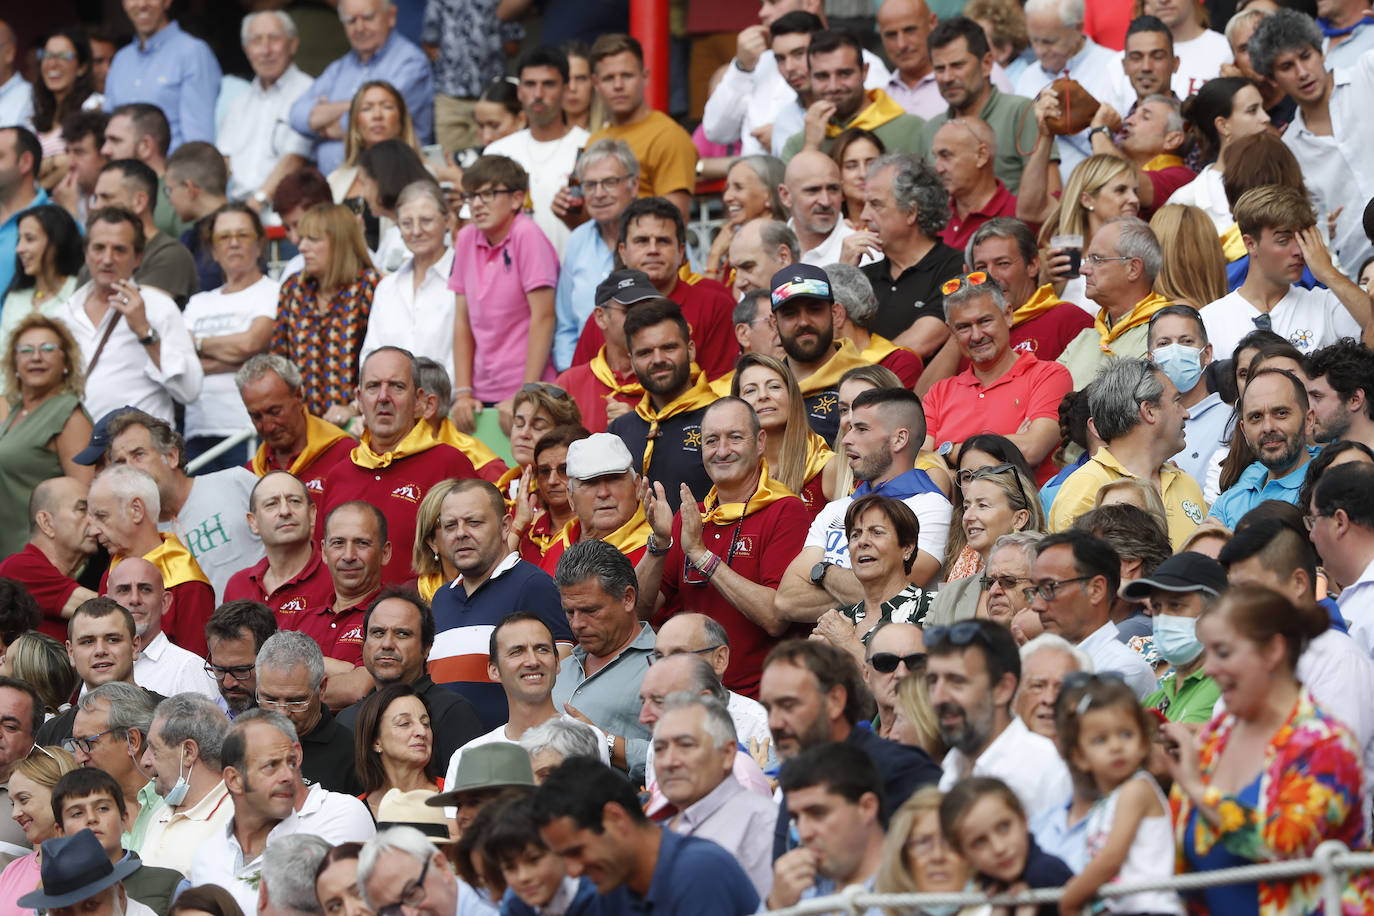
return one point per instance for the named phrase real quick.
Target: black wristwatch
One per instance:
(152, 337)
(1101, 128)
(818, 573)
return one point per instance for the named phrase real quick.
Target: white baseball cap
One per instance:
(597, 455)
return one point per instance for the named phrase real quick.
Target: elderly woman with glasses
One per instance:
(882, 535)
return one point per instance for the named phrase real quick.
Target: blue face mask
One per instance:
(1182, 365)
(1176, 638)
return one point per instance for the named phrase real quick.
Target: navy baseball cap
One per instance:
(800, 281)
(100, 437)
(1189, 571)
(626, 287)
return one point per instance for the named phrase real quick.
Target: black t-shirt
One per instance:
(677, 452)
(916, 293)
(327, 756)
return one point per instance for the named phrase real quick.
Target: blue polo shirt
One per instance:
(464, 623)
(174, 71)
(1254, 487)
(9, 239)
(695, 876)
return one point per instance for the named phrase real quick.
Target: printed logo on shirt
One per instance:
(1302, 339)
(744, 546)
(202, 538)
(691, 439)
(295, 605)
(1193, 511)
(352, 634)
(315, 485)
(409, 492)
(1026, 346)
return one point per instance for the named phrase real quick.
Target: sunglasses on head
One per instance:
(548, 388)
(953, 285)
(959, 634)
(970, 474)
(887, 662)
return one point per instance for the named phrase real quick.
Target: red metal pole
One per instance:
(649, 24)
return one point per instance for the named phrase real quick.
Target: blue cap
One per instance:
(100, 437)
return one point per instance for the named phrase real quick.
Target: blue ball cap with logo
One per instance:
(800, 281)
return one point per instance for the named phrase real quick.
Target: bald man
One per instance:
(759, 249)
(964, 151)
(60, 543)
(811, 190)
(160, 667)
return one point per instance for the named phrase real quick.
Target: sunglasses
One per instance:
(969, 474)
(959, 634)
(1006, 583)
(887, 662)
(1073, 680)
(953, 285)
(548, 388)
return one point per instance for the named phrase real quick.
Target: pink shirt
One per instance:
(18, 878)
(496, 280)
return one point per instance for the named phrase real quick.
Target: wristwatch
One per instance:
(1100, 129)
(818, 573)
(152, 337)
(261, 197)
(653, 547)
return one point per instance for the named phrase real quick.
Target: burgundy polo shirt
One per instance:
(339, 635)
(959, 230)
(310, 588)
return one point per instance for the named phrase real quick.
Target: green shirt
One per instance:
(1012, 122)
(149, 802)
(1083, 356)
(1190, 703)
(900, 135)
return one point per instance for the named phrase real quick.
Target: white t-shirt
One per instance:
(219, 410)
(1308, 318)
(498, 735)
(549, 164)
(1200, 60)
(932, 511)
(213, 525)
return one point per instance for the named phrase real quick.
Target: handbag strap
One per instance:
(100, 348)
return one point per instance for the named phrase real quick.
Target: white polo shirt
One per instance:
(255, 134)
(1027, 762)
(1308, 318)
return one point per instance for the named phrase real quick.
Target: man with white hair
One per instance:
(123, 507)
(1119, 270)
(259, 144)
(400, 863)
(1045, 660)
(1007, 573)
(287, 887)
(856, 309)
(1062, 49)
(602, 487)
(161, 667)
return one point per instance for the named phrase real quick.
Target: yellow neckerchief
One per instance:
(419, 439)
(1232, 244)
(428, 584)
(1162, 161)
(879, 110)
(1040, 302)
(818, 455)
(474, 448)
(319, 437)
(173, 560)
(724, 384)
(604, 374)
(686, 275)
(828, 375)
(1136, 316)
(699, 395)
(766, 493)
(628, 538)
(878, 349)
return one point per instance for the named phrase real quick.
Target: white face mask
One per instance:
(177, 794)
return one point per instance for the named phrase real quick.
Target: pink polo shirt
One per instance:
(496, 280)
(959, 407)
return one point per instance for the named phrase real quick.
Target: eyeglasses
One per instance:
(960, 634)
(488, 195)
(887, 662)
(84, 745)
(423, 224)
(243, 236)
(971, 474)
(30, 349)
(237, 672)
(952, 286)
(548, 388)
(1097, 259)
(45, 54)
(412, 895)
(1006, 583)
(605, 184)
(1050, 587)
(1263, 322)
(284, 705)
(1310, 521)
(40, 749)
(657, 656)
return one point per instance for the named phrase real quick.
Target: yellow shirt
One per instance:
(1184, 506)
(667, 157)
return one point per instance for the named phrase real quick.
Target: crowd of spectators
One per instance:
(933, 454)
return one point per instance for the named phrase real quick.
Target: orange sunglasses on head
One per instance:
(977, 278)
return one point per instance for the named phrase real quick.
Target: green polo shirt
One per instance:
(1190, 703)
(149, 803)
(1012, 122)
(900, 135)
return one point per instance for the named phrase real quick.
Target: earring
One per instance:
(436, 556)
(1091, 209)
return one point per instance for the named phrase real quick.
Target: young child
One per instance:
(985, 822)
(536, 880)
(1105, 735)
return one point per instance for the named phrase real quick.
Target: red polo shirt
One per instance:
(397, 490)
(959, 230)
(310, 588)
(709, 308)
(184, 624)
(590, 394)
(961, 406)
(1046, 335)
(766, 542)
(314, 473)
(31, 568)
(339, 635)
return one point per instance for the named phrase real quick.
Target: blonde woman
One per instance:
(916, 856)
(1194, 268)
(322, 312)
(913, 719)
(30, 792)
(433, 566)
(378, 112)
(797, 458)
(1133, 492)
(39, 659)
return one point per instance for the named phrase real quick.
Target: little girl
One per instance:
(985, 822)
(1105, 735)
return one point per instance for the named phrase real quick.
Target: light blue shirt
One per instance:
(1254, 487)
(398, 62)
(1055, 835)
(173, 71)
(16, 103)
(1348, 52)
(9, 238)
(586, 262)
(1204, 432)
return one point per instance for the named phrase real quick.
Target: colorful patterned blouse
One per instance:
(1309, 792)
(324, 346)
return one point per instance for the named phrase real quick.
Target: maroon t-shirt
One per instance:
(31, 569)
